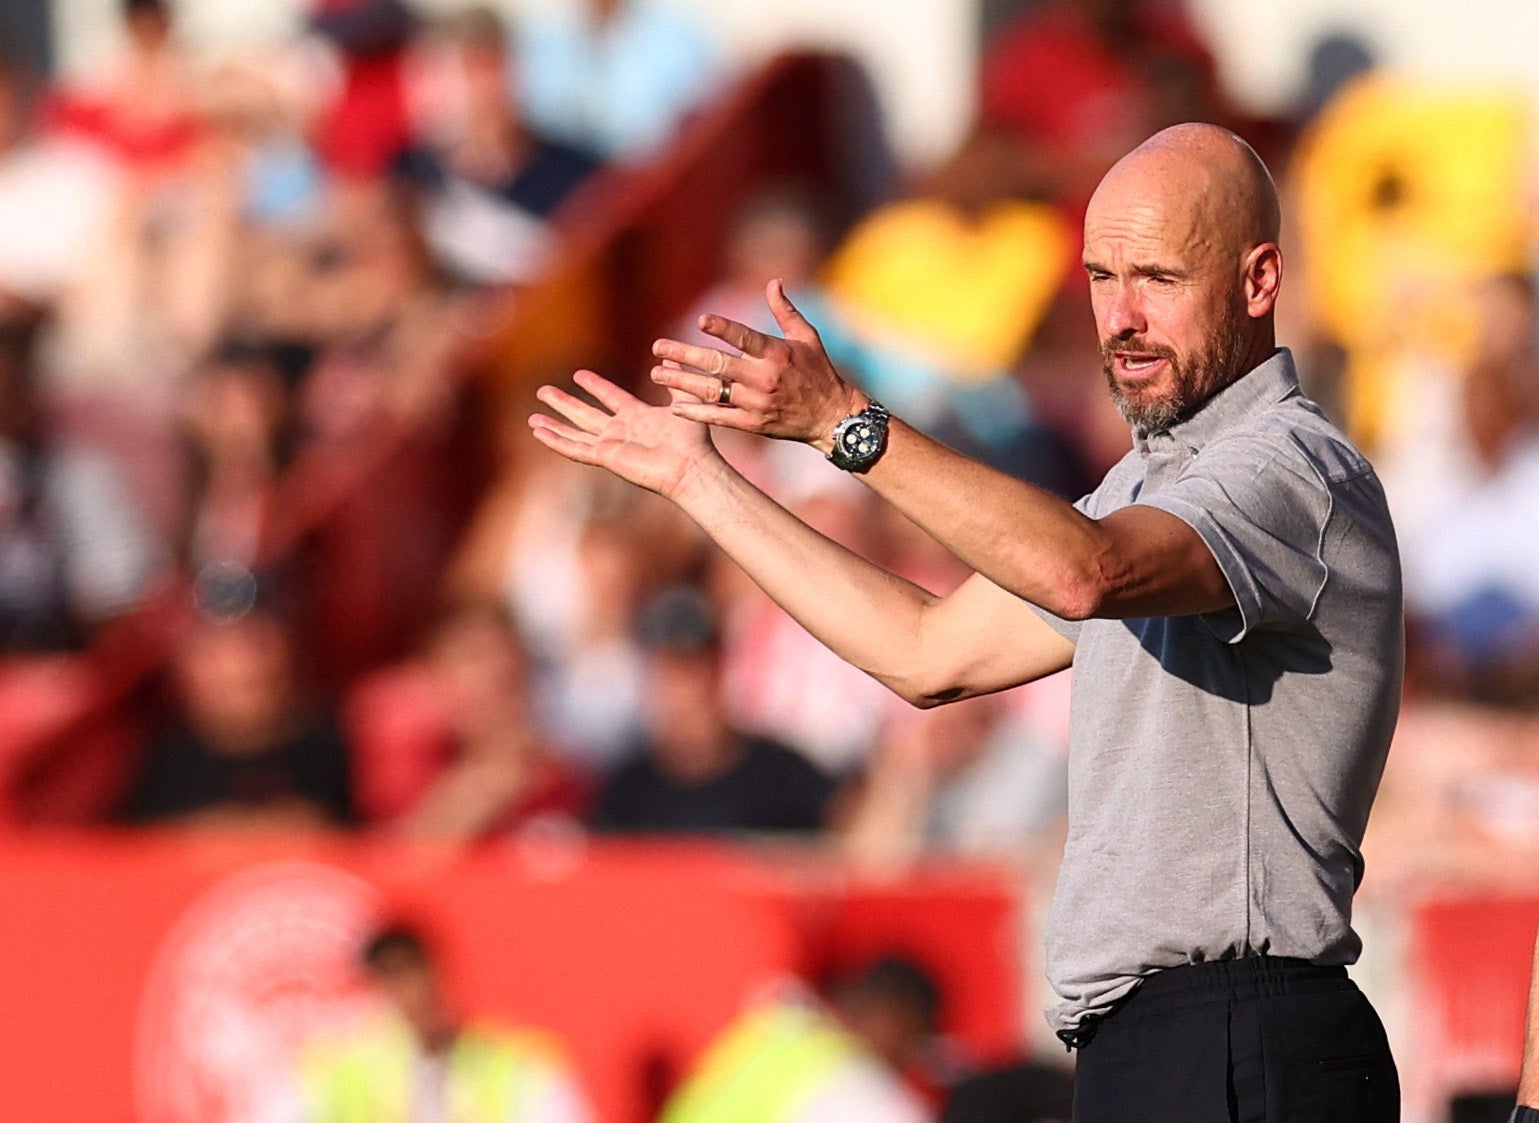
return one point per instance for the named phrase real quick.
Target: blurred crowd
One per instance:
(222, 280)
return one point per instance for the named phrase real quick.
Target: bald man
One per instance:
(1229, 598)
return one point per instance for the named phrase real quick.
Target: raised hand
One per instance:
(785, 388)
(649, 446)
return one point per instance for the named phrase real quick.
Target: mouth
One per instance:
(1136, 366)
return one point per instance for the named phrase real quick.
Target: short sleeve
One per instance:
(1263, 514)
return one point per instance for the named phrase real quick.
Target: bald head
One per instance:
(1181, 249)
(1203, 173)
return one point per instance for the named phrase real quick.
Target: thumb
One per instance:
(792, 322)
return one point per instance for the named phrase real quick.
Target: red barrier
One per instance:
(165, 979)
(1469, 970)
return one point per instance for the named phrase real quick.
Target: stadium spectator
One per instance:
(591, 689)
(448, 746)
(694, 773)
(154, 296)
(489, 184)
(1466, 517)
(385, 323)
(73, 550)
(141, 106)
(615, 77)
(417, 1059)
(251, 749)
(1079, 82)
(56, 199)
(573, 557)
(367, 125)
(238, 432)
(796, 1060)
(980, 776)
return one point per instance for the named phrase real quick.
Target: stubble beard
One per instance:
(1193, 379)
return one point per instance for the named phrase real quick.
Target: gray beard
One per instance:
(1195, 381)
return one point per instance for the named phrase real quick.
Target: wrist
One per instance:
(850, 402)
(698, 482)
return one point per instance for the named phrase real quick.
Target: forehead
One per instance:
(1148, 225)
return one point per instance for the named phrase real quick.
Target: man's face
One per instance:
(1168, 298)
(411, 986)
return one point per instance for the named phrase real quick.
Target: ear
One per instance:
(1263, 279)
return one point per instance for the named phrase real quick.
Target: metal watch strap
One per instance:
(874, 414)
(1523, 1114)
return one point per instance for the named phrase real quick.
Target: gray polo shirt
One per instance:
(1222, 766)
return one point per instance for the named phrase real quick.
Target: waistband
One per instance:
(1253, 976)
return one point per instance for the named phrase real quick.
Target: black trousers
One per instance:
(1259, 1040)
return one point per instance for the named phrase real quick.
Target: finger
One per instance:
(706, 390)
(705, 387)
(725, 417)
(573, 408)
(607, 393)
(717, 364)
(566, 446)
(540, 422)
(741, 336)
(791, 321)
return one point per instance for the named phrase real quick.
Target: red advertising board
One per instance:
(168, 978)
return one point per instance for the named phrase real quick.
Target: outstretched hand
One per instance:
(648, 445)
(785, 388)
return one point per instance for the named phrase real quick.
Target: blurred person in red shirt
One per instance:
(1083, 81)
(140, 107)
(448, 746)
(56, 198)
(250, 749)
(367, 124)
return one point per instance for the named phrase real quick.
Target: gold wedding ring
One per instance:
(724, 392)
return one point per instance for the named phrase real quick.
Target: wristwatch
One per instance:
(1522, 1114)
(860, 439)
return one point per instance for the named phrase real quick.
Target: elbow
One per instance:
(925, 693)
(1080, 597)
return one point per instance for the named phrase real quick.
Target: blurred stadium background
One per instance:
(304, 639)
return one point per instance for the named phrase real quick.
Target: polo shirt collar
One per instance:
(1264, 385)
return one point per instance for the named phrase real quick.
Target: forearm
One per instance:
(866, 615)
(1025, 540)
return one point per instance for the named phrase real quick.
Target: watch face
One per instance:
(860, 440)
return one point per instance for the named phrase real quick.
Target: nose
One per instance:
(1124, 314)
